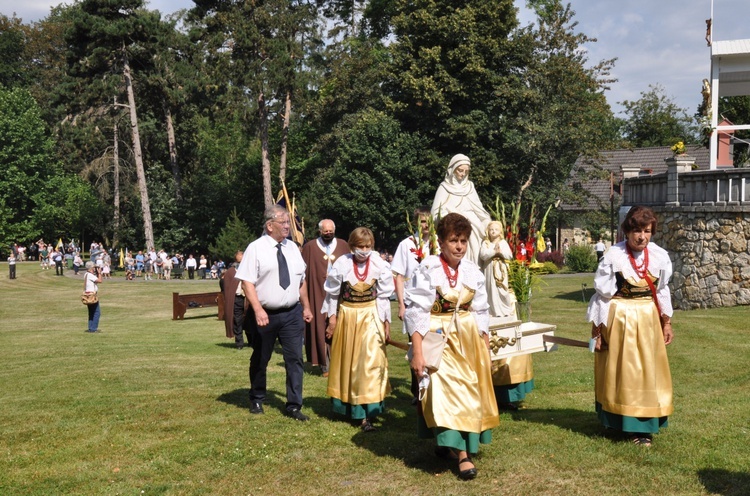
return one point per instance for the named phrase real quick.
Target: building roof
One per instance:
(592, 175)
(730, 47)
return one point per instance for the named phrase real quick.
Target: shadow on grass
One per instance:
(193, 317)
(583, 422)
(582, 296)
(720, 481)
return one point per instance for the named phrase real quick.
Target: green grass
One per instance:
(155, 406)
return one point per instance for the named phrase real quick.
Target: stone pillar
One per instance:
(679, 164)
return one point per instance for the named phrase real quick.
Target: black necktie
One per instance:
(283, 268)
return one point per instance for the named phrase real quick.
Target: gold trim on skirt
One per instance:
(632, 377)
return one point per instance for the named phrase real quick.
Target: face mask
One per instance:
(327, 237)
(362, 254)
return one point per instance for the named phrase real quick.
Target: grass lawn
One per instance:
(155, 406)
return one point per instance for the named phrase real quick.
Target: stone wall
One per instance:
(710, 254)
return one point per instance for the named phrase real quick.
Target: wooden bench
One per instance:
(185, 302)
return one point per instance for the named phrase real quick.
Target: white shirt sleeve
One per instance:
(386, 287)
(333, 283)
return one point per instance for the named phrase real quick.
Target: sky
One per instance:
(655, 41)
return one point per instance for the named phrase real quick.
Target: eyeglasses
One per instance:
(285, 223)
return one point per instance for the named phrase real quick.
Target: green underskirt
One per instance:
(357, 412)
(513, 392)
(641, 425)
(458, 440)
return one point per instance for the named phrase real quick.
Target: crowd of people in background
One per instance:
(148, 264)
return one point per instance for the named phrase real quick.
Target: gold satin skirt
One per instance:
(632, 378)
(512, 370)
(358, 373)
(460, 396)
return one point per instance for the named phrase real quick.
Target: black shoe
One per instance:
(511, 407)
(469, 473)
(296, 414)
(256, 407)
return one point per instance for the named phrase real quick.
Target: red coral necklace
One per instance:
(642, 269)
(361, 276)
(452, 279)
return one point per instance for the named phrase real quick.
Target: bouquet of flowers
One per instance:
(418, 240)
(678, 148)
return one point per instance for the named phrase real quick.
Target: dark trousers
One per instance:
(239, 323)
(12, 269)
(289, 328)
(191, 273)
(58, 268)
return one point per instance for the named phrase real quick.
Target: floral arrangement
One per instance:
(678, 148)
(419, 242)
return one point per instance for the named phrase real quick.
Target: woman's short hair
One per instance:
(639, 217)
(451, 224)
(360, 236)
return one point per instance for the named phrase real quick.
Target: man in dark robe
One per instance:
(319, 255)
(235, 304)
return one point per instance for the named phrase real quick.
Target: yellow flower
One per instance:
(678, 148)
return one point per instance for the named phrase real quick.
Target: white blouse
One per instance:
(421, 295)
(616, 260)
(343, 270)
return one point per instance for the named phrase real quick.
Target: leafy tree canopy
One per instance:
(655, 120)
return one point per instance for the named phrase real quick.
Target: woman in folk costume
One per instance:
(456, 194)
(513, 378)
(358, 309)
(631, 321)
(458, 405)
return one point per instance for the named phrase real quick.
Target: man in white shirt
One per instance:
(600, 247)
(273, 278)
(405, 263)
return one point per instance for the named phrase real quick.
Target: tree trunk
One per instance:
(173, 154)
(285, 135)
(148, 229)
(116, 166)
(263, 121)
(526, 184)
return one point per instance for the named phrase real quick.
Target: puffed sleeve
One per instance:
(386, 287)
(419, 298)
(480, 309)
(332, 287)
(605, 287)
(664, 265)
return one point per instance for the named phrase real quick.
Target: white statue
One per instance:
(457, 194)
(493, 256)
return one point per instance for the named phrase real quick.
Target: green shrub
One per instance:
(581, 258)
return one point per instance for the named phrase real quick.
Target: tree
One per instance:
(554, 110)
(449, 59)
(260, 47)
(377, 173)
(13, 39)
(521, 103)
(36, 197)
(104, 38)
(655, 120)
(234, 236)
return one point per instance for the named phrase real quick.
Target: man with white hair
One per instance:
(319, 256)
(273, 279)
